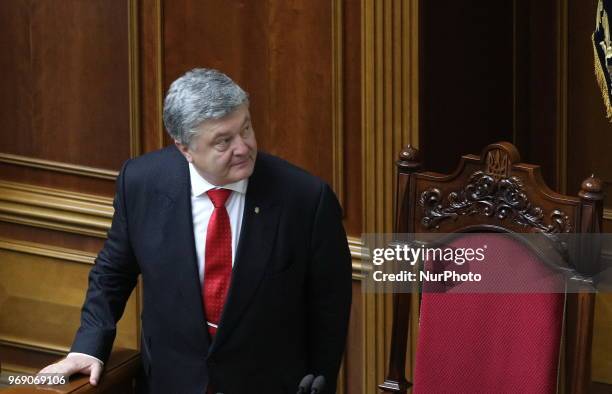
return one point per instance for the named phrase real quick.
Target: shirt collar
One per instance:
(200, 185)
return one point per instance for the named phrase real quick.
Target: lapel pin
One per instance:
(256, 209)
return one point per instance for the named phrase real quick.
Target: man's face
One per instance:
(225, 149)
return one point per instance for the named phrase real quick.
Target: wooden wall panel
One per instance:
(15, 101)
(71, 82)
(352, 203)
(41, 293)
(151, 74)
(65, 95)
(537, 97)
(390, 121)
(466, 79)
(279, 52)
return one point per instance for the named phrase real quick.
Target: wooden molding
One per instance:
(390, 97)
(151, 74)
(562, 94)
(389, 101)
(57, 166)
(55, 252)
(37, 249)
(356, 247)
(55, 209)
(337, 101)
(134, 77)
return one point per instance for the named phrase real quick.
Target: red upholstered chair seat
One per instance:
(492, 343)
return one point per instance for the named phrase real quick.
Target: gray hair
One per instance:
(196, 96)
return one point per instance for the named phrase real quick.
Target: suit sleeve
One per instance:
(329, 288)
(111, 280)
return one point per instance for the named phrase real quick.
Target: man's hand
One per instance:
(77, 363)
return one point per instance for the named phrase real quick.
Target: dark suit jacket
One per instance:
(288, 304)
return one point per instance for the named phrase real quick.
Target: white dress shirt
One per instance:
(201, 210)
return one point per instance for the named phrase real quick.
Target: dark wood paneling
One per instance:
(65, 85)
(15, 67)
(536, 82)
(352, 116)
(280, 52)
(466, 79)
(601, 388)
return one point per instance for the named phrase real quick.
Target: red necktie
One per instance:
(217, 259)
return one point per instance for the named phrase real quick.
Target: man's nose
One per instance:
(241, 148)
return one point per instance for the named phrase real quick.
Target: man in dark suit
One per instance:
(245, 264)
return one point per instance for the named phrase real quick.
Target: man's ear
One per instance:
(184, 150)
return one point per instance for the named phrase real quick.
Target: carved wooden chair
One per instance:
(492, 193)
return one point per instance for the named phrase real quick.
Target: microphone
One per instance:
(304, 387)
(318, 385)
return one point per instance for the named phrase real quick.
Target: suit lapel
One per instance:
(258, 233)
(180, 250)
